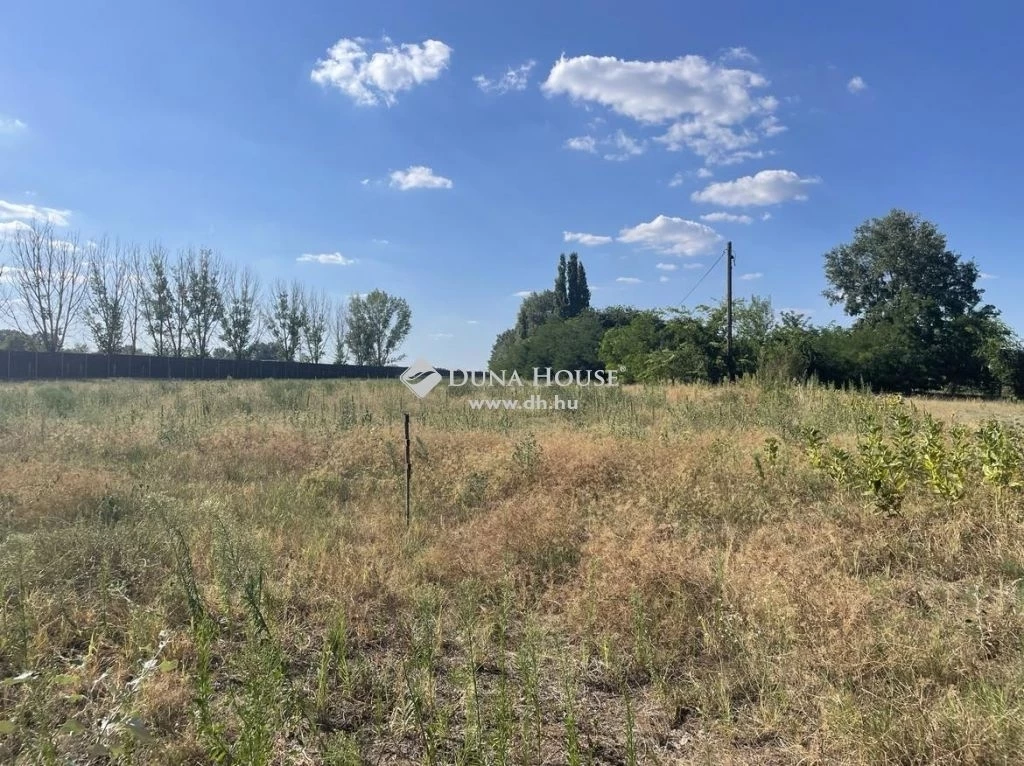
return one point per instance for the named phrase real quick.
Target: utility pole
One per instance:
(729, 365)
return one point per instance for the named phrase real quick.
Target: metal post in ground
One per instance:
(729, 361)
(408, 475)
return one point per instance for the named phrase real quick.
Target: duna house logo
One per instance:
(420, 378)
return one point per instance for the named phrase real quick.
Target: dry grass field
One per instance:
(221, 572)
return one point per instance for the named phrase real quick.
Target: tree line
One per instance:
(918, 324)
(191, 303)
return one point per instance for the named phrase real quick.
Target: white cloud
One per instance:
(12, 274)
(513, 79)
(7, 274)
(629, 280)
(365, 181)
(712, 141)
(441, 335)
(419, 177)
(663, 279)
(590, 240)
(771, 126)
(984, 275)
(766, 217)
(370, 79)
(11, 125)
(718, 146)
(328, 258)
(739, 53)
(692, 265)
(726, 218)
(735, 158)
(582, 144)
(856, 84)
(524, 293)
(706, 102)
(472, 321)
(10, 228)
(666, 266)
(679, 178)
(769, 187)
(752, 275)
(381, 242)
(626, 145)
(656, 91)
(13, 211)
(675, 236)
(620, 145)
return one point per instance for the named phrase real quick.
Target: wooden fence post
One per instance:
(408, 475)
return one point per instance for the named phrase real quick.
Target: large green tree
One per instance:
(240, 324)
(318, 325)
(617, 316)
(535, 310)
(544, 313)
(203, 299)
(564, 344)
(753, 321)
(507, 352)
(577, 292)
(571, 294)
(919, 322)
(286, 318)
(15, 340)
(628, 348)
(108, 295)
(562, 287)
(787, 353)
(571, 344)
(377, 325)
(49, 282)
(158, 301)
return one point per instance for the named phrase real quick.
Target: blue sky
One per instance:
(418, 148)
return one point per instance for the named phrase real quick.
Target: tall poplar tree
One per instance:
(562, 288)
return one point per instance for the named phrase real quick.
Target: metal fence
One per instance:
(61, 365)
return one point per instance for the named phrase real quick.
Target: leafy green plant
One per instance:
(527, 453)
(771, 458)
(881, 470)
(528, 667)
(211, 731)
(943, 464)
(999, 456)
(573, 747)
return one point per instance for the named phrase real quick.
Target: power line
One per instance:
(703, 277)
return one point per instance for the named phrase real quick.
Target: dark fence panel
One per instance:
(43, 365)
(75, 366)
(48, 366)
